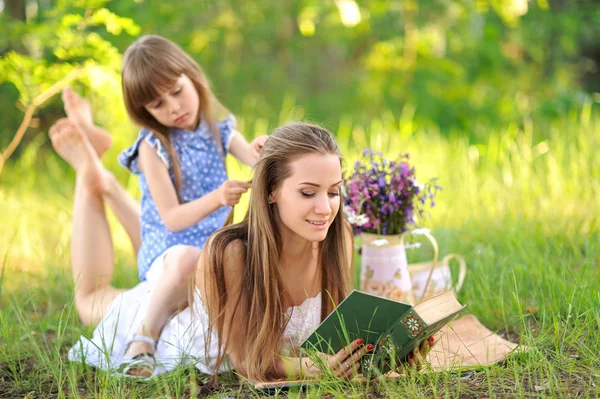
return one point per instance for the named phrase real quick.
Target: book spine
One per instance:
(406, 330)
(394, 346)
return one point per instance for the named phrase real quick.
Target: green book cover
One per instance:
(394, 328)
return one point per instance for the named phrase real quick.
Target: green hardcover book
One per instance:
(394, 328)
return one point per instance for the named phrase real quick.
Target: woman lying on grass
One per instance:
(262, 285)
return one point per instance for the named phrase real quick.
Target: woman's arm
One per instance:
(233, 264)
(344, 364)
(246, 152)
(177, 216)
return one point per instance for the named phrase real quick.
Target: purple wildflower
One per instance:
(384, 192)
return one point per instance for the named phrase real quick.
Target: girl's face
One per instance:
(177, 107)
(308, 200)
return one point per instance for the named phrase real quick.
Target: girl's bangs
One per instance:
(149, 82)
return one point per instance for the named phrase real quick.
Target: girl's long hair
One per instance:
(260, 304)
(151, 65)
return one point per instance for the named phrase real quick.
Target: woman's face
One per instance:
(177, 107)
(308, 200)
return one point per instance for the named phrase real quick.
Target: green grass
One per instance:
(523, 209)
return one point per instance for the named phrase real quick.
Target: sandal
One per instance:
(141, 361)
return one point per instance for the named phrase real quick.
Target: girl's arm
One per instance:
(246, 152)
(177, 216)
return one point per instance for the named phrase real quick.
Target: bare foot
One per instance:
(79, 112)
(74, 147)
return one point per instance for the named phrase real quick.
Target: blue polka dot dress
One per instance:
(202, 171)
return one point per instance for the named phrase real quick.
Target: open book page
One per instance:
(438, 308)
(417, 325)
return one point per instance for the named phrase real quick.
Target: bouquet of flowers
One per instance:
(384, 196)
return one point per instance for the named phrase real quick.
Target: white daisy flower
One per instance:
(353, 218)
(415, 245)
(380, 242)
(420, 232)
(361, 220)
(413, 324)
(418, 184)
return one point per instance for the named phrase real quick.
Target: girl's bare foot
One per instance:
(74, 147)
(79, 112)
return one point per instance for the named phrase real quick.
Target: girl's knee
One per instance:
(84, 304)
(91, 306)
(83, 313)
(182, 262)
(187, 265)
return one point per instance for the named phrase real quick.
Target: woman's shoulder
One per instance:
(232, 250)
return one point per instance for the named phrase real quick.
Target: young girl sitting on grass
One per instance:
(180, 159)
(179, 156)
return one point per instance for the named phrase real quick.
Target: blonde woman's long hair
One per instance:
(151, 65)
(260, 305)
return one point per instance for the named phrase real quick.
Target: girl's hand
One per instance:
(231, 191)
(257, 145)
(345, 363)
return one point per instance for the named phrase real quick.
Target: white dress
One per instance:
(182, 340)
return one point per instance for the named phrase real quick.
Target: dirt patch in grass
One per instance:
(562, 384)
(14, 381)
(469, 385)
(22, 378)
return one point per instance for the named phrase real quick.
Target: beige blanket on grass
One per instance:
(464, 343)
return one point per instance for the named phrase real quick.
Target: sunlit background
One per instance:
(499, 99)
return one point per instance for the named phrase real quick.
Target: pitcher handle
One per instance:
(462, 269)
(433, 263)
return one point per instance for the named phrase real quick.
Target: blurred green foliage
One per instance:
(452, 65)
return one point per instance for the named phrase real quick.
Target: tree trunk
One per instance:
(15, 8)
